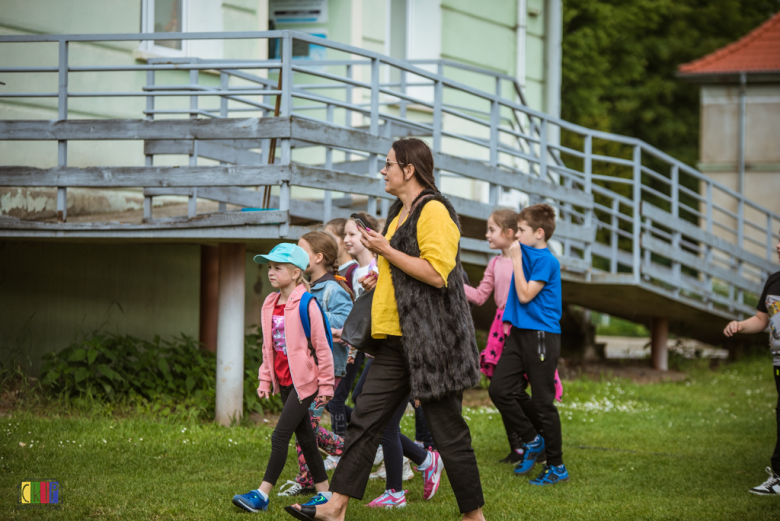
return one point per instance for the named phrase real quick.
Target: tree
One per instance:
(620, 59)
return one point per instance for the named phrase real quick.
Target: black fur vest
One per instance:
(437, 328)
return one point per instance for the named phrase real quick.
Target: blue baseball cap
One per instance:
(286, 253)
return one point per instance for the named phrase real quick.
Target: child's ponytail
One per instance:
(324, 243)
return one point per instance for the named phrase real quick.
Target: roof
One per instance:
(756, 52)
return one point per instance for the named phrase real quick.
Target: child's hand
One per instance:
(336, 334)
(263, 394)
(323, 400)
(516, 252)
(369, 281)
(350, 360)
(733, 327)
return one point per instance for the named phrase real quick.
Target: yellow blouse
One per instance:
(438, 237)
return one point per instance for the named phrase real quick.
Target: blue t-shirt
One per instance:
(543, 313)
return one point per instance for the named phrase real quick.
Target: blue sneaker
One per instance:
(551, 475)
(251, 501)
(531, 451)
(308, 510)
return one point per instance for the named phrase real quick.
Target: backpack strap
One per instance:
(303, 310)
(348, 275)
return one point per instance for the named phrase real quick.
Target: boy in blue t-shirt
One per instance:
(533, 347)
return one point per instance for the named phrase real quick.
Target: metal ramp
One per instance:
(640, 234)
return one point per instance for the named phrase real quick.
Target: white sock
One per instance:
(427, 463)
(335, 458)
(396, 495)
(327, 494)
(262, 494)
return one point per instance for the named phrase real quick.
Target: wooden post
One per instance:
(209, 295)
(659, 335)
(230, 333)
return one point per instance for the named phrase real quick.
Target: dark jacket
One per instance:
(438, 331)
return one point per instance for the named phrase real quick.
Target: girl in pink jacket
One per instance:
(289, 368)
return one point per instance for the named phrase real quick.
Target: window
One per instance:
(164, 16)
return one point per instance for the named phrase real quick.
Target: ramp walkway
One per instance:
(278, 146)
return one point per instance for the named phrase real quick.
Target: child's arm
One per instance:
(319, 340)
(264, 375)
(526, 291)
(339, 307)
(754, 324)
(481, 293)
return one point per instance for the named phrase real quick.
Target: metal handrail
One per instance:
(531, 148)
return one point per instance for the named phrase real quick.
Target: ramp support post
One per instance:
(209, 296)
(659, 335)
(230, 333)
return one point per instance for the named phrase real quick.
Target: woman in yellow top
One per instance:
(429, 349)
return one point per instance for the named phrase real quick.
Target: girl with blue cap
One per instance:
(290, 368)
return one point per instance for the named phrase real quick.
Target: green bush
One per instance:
(112, 368)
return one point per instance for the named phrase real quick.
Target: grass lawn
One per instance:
(686, 450)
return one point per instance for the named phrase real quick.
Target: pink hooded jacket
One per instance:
(308, 377)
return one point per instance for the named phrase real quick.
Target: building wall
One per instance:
(719, 147)
(49, 291)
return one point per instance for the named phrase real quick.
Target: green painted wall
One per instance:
(49, 292)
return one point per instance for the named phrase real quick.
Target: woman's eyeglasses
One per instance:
(387, 164)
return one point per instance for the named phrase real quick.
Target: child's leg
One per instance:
(337, 406)
(393, 450)
(308, 441)
(508, 388)
(776, 455)
(294, 414)
(304, 476)
(541, 351)
(421, 431)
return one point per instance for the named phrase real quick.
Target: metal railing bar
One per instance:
(175, 67)
(611, 179)
(334, 77)
(691, 193)
(8, 70)
(165, 94)
(406, 97)
(184, 111)
(656, 175)
(28, 94)
(656, 193)
(613, 160)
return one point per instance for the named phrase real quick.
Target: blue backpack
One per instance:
(303, 309)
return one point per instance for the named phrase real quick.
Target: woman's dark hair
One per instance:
(415, 152)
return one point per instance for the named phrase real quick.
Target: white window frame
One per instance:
(147, 26)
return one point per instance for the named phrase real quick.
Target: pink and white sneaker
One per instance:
(387, 500)
(432, 476)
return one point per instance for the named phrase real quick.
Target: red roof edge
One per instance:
(708, 64)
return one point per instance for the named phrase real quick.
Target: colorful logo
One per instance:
(39, 493)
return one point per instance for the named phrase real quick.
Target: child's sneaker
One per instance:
(294, 489)
(408, 473)
(551, 475)
(388, 500)
(531, 451)
(432, 476)
(514, 456)
(379, 456)
(770, 487)
(331, 462)
(380, 473)
(252, 501)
